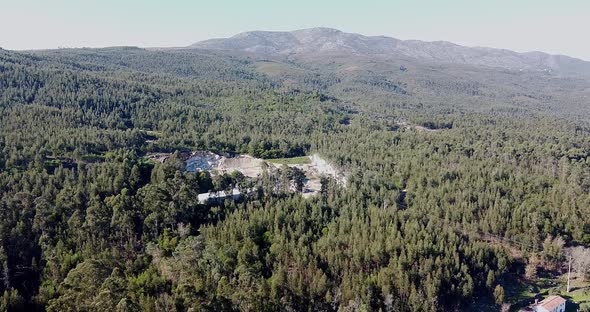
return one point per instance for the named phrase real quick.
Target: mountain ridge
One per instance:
(323, 41)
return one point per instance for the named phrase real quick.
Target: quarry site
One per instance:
(314, 168)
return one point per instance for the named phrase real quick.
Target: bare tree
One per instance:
(580, 260)
(569, 271)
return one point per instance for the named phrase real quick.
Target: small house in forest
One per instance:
(550, 304)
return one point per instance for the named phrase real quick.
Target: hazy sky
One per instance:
(556, 26)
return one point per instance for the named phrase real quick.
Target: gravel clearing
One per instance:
(252, 167)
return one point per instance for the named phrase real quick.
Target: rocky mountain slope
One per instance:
(321, 41)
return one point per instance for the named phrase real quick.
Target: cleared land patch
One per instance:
(291, 161)
(314, 167)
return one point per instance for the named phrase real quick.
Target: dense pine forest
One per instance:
(460, 180)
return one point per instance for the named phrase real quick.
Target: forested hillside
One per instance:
(439, 159)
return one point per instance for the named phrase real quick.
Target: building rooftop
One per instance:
(551, 302)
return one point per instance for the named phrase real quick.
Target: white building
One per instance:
(550, 304)
(219, 197)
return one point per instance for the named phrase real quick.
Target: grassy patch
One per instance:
(93, 158)
(290, 161)
(155, 134)
(53, 163)
(580, 291)
(520, 292)
(145, 161)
